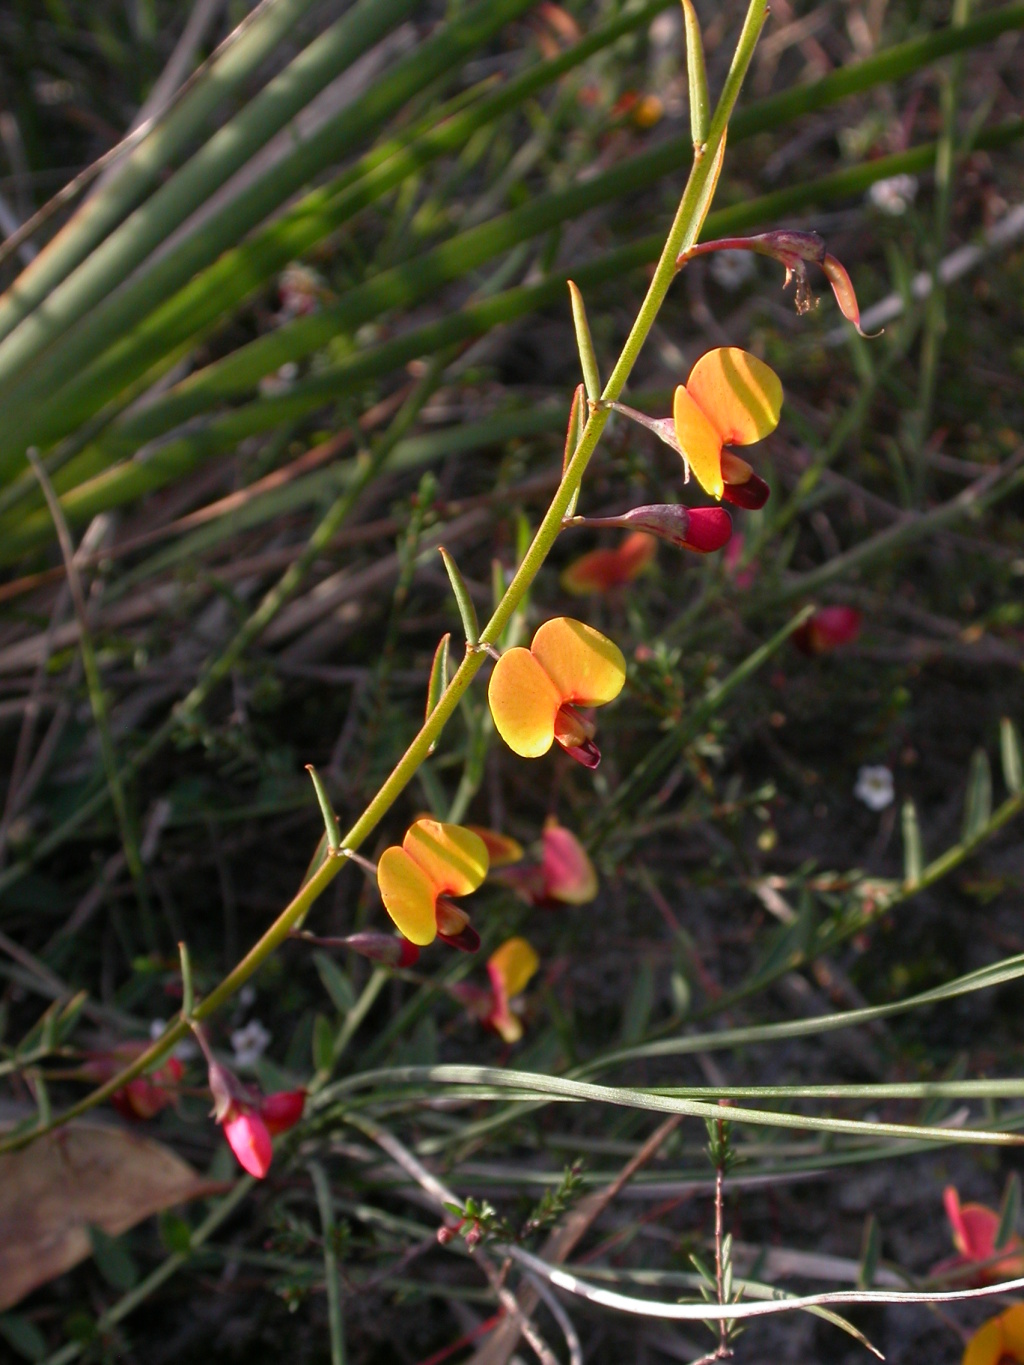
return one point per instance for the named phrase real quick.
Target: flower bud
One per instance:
(703, 529)
(390, 950)
(282, 1110)
(249, 1139)
(828, 629)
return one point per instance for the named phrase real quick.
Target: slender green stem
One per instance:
(98, 700)
(332, 1284)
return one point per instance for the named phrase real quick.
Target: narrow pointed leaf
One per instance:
(585, 344)
(438, 674)
(697, 76)
(470, 624)
(913, 854)
(1013, 759)
(326, 809)
(978, 804)
(1009, 1212)
(870, 1250)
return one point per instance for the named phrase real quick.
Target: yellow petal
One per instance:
(741, 395)
(699, 441)
(408, 895)
(523, 703)
(584, 665)
(515, 962)
(986, 1346)
(455, 859)
(1013, 1329)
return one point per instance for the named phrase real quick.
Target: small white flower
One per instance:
(732, 269)
(875, 787)
(249, 1044)
(893, 196)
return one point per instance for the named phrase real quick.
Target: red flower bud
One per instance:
(828, 629)
(702, 529)
(282, 1110)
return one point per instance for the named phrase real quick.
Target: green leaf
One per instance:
(637, 1013)
(323, 1044)
(1009, 1213)
(913, 853)
(22, 1336)
(335, 982)
(870, 1249)
(700, 108)
(326, 809)
(978, 804)
(585, 345)
(438, 674)
(1013, 759)
(113, 1260)
(470, 624)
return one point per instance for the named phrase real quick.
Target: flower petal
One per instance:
(569, 874)
(514, 963)
(741, 395)
(455, 859)
(248, 1138)
(986, 1346)
(699, 441)
(585, 666)
(1013, 1330)
(502, 849)
(523, 703)
(408, 894)
(603, 570)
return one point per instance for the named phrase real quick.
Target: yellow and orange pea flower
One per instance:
(1000, 1341)
(534, 693)
(605, 570)
(510, 968)
(730, 398)
(435, 861)
(975, 1228)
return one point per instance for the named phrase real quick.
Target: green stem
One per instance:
(332, 1284)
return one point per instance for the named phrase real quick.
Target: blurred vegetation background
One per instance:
(297, 316)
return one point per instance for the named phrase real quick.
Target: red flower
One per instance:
(604, 570)
(828, 629)
(144, 1096)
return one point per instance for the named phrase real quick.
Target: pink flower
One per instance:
(248, 1118)
(975, 1228)
(564, 876)
(249, 1138)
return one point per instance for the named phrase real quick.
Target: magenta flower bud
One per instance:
(390, 950)
(703, 529)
